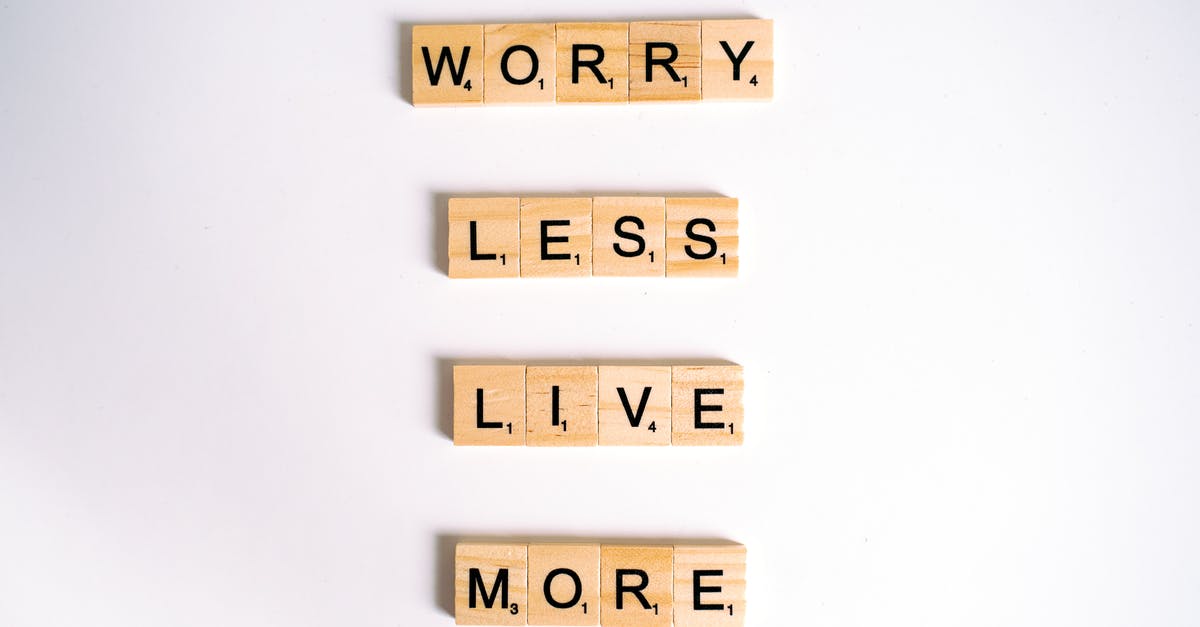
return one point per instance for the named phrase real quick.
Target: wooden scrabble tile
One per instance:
(564, 584)
(702, 237)
(635, 586)
(593, 62)
(560, 406)
(664, 61)
(489, 405)
(556, 237)
(485, 237)
(518, 66)
(629, 236)
(490, 584)
(447, 65)
(706, 405)
(710, 585)
(738, 59)
(635, 405)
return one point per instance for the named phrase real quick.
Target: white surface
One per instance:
(968, 314)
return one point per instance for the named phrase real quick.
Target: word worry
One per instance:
(594, 584)
(601, 236)
(601, 62)
(514, 405)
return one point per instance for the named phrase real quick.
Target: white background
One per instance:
(968, 313)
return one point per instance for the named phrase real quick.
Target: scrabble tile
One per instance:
(447, 65)
(592, 62)
(485, 237)
(706, 405)
(664, 61)
(518, 66)
(635, 586)
(710, 585)
(489, 405)
(556, 237)
(629, 236)
(560, 406)
(635, 405)
(738, 59)
(702, 237)
(564, 584)
(490, 584)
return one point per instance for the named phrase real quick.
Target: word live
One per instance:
(599, 62)
(688, 585)
(515, 405)
(602, 236)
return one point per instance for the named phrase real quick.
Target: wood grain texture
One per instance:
(642, 417)
(616, 223)
(702, 237)
(501, 581)
(550, 218)
(502, 391)
(458, 52)
(497, 226)
(710, 585)
(575, 399)
(706, 405)
(656, 83)
(570, 564)
(612, 86)
(530, 75)
(755, 77)
(646, 568)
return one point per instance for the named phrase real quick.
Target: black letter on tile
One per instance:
(476, 582)
(574, 578)
(651, 46)
(533, 70)
(697, 589)
(693, 235)
(700, 392)
(635, 419)
(593, 65)
(479, 422)
(475, 254)
(636, 590)
(547, 240)
(737, 60)
(641, 242)
(456, 74)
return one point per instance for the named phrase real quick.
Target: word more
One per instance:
(511, 583)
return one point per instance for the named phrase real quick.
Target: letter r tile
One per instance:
(593, 62)
(635, 586)
(664, 61)
(490, 584)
